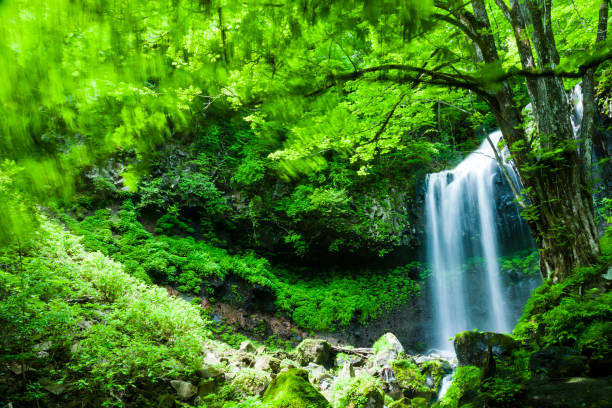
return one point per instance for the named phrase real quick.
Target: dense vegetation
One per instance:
(181, 179)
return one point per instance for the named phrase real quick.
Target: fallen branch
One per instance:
(363, 352)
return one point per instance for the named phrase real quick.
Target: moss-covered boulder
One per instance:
(465, 385)
(410, 379)
(387, 348)
(291, 389)
(434, 371)
(363, 391)
(313, 351)
(249, 382)
(472, 347)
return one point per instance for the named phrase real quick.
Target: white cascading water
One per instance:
(461, 222)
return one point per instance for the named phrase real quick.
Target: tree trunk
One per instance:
(560, 204)
(588, 90)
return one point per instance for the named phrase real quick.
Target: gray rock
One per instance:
(347, 371)
(267, 363)
(313, 351)
(44, 346)
(184, 389)
(55, 388)
(388, 348)
(247, 347)
(316, 373)
(207, 371)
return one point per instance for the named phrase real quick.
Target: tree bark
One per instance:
(560, 211)
(587, 129)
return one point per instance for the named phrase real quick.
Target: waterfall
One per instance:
(462, 224)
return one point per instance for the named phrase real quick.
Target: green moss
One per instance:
(466, 381)
(409, 377)
(251, 382)
(400, 403)
(357, 392)
(435, 369)
(382, 344)
(291, 389)
(316, 300)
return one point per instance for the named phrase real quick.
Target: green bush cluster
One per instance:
(104, 332)
(323, 300)
(572, 313)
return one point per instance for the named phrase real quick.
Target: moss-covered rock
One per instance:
(387, 348)
(434, 371)
(410, 379)
(363, 391)
(400, 403)
(313, 351)
(248, 381)
(465, 385)
(472, 347)
(291, 389)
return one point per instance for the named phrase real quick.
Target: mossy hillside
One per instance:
(575, 313)
(291, 389)
(104, 331)
(321, 301)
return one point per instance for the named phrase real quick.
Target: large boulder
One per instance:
(472, 347)
(313, 351)
(291, 389)
(387, 349)
(558, 362)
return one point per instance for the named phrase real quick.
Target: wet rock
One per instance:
(184, 389)
(472, 347)
(558, 362)
(313, 351)
(291, 389)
